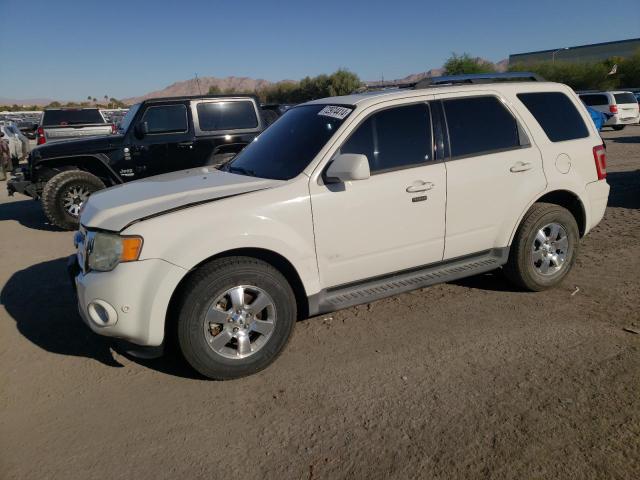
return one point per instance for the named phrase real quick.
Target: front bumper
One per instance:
(18, 183)
(133, 299)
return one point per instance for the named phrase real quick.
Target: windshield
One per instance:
(285, 149)
(123, 126)
(54, 118)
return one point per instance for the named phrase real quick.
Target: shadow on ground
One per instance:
(634, 139)
(625, 189)
(41, 301)
(28, 213)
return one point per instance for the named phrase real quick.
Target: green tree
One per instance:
(465, 63)
(214, 90)
(578, 75)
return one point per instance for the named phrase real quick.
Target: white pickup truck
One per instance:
(68, 123)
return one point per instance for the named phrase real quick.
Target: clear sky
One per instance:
(67, 50)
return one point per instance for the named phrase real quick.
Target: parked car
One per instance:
(18, 144)
(622, 106)
(28, 128)
(70, 123)
(156, 136)
(343, 201)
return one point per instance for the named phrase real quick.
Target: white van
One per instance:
(621, 106)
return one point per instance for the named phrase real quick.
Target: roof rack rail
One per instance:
(479, 78)
(456, 80)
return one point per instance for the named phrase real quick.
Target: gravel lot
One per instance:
(465, 380)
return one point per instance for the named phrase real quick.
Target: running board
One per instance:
(369, 290)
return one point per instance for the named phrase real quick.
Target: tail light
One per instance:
(613, 108)
(600, 156)
(41, 138)
(114, 129)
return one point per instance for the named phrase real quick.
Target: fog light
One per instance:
(102, 314)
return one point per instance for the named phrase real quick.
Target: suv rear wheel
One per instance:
(617, 128)
(544, 248)
(235, 317)
(65, 193)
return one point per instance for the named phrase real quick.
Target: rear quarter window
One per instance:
(556, 114)
(226, 115)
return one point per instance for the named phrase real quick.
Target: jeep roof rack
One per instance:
(473, 78)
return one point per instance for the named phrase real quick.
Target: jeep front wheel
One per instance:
(235, 317)
(65, 193)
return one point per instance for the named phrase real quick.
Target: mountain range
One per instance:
(196, 86)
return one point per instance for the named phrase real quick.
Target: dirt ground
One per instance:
(466, 380)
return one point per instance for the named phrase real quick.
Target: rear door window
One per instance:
(625, 98)
(166, 119)
(394, 138)
(556, 114)
(226, 115)
(480, 125)
(595, 100)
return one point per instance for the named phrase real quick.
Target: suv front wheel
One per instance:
(544, 248)
(235, 317)
(65, 193)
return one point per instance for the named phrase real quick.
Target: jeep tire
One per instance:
(235, 317)
(65, 193)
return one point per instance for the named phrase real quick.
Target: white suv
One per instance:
(343, 201)
(621, 107)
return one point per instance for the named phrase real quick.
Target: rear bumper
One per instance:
(598, 195)
(622, 119)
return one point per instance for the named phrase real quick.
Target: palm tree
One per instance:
(106, 100)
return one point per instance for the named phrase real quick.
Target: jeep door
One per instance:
(223, 126)
(162, 140)
(493, 172)
(394, 220)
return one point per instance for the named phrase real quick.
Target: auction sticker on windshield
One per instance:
(335, 112)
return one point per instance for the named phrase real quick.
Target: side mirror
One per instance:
(141, 129)
(347, 167)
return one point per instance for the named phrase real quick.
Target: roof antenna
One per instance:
(198, 82)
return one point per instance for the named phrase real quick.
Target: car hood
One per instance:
(116, 207)
(79, 146)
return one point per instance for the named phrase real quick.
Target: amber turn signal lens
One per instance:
(131, 248)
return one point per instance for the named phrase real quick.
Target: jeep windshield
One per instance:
(285, 149)
(123, 125)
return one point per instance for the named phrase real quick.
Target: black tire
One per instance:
(520, 268)
(203, 288)
(617, 128)
(55, 190)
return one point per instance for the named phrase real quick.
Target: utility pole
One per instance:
(198, 82)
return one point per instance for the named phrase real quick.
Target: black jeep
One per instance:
(156, 136)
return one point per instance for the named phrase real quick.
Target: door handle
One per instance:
(420, 186)
(185, 144)
(521, 167)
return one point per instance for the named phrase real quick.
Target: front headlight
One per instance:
(107, 250)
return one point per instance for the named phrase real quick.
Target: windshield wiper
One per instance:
(240, 170)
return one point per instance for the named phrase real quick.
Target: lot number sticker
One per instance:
(335, 112)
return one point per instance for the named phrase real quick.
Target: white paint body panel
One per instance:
(336, 234)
